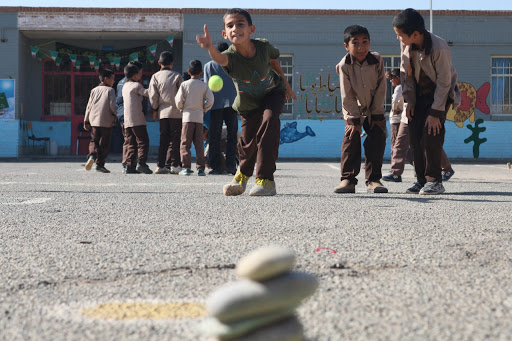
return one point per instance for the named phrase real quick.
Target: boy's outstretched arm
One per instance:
(205, 41)
(274, 63)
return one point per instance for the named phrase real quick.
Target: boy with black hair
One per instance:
(135, 132)
(194, 99)
(100, 116)
(162, 92)
(363, 90)
(429, 87)
(120, 105)
(222, 111)
(261, 93)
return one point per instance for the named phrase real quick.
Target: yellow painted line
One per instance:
(146, 310)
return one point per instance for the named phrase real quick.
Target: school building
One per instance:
(50, 57)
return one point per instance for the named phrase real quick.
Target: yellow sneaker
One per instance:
(263, 187)
(237, 186)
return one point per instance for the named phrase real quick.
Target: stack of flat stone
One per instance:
(261, 305)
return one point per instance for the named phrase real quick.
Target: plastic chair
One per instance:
(33, 138)
(81, 131)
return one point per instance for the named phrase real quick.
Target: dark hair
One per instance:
(222, 46)
(130, 70)
(238, 11)
(395, 73)
(353, 31)
(137, 64)
(166, 58)
(195, 67)
(408, 21)
(105, 73)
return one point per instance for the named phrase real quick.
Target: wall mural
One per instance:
(289, 133)
(469, 100)
(477, 141)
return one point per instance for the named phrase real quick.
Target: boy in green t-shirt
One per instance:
(261, 93)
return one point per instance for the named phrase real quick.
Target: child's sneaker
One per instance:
(130, 170)
(345, 186)
(162, 170)
(90, 162)
(200, 172)
(143, 169)
(263, 187)
(186, 171)
(392, 177)
(237, 186)
(432, 188)
(176, 170)
(447, 175)
(415, 189)
(102, 169)
(376, 187)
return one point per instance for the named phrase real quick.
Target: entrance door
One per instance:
(82, 83)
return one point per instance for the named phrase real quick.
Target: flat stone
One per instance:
(287, 330)
(244, 299)
(265, 263)
(226, 331)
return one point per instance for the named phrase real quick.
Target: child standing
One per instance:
(363, 90)
(100, 116)
(135, 132)
(429, 86)
(261, 93)
(194, 99)
(162, 92)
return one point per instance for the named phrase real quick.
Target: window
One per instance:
(286, 61)
(501, 84)
(390, 63)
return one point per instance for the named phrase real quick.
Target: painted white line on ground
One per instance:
(489, 166)
(28, 202)
(144, 184)
(331, 166)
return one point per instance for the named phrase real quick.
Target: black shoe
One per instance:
(231, 171)
(143, 169)
(102, 169)
(447, 175)
(216, 172)
(392, 177)
(415, 189)
(130, 170)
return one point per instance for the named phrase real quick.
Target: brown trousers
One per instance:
(136, 140)
(374, 145)
(99, 145)
(259, 143)
(400, 150)
(170, 138)
(192, 132)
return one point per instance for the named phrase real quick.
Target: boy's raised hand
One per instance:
(205, 41)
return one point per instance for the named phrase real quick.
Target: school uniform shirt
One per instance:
(397, 103)
(163, 87)
(363, 88)
(194, 99)
(436, 61)
(101, 108)
(253, 77)
(132, 98)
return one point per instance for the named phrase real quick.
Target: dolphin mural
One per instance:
(289, 133)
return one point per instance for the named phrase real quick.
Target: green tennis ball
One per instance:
(215, 83)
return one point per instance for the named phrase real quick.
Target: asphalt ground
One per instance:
(391, 266)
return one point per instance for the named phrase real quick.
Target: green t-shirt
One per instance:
(253, 77)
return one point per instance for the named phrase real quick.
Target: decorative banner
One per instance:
(7, 99)
(112, 61)
(134, 57)
(72, 57)
(54, 55)
(170, 40)
(117, 61)
(58, 60)
(152, 49)
(34, 50)
(151, 58)
(96, 65)
(92, 61)
(77, 63)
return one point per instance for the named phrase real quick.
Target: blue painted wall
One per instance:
(9, 132)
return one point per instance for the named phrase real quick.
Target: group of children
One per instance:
(429, 88)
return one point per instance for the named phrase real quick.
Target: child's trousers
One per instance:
(192, 132)
(170, 138)
(259, 143)
(135, 138)
(99, 145)
(374, 145)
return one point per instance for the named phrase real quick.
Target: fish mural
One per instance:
(289, 133)
(470, 98)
